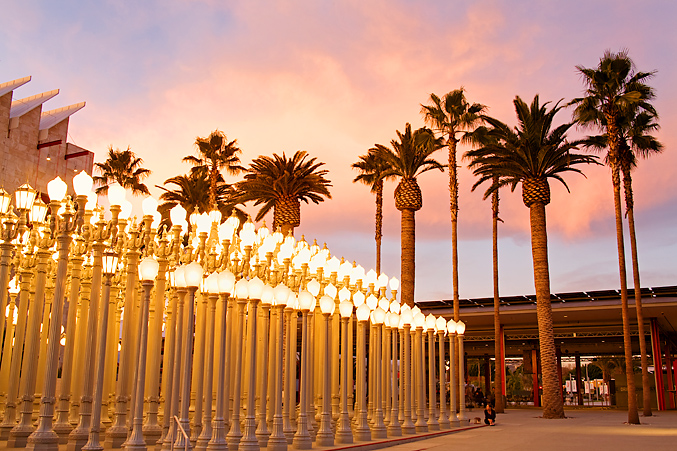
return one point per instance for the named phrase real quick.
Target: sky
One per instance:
(334, 78)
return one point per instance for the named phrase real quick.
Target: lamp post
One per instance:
(110, 264)
(193, 276)
(234, 434)
(262, 431)
(249, 441)
(453, 384)
(441, 325)
(325, 436)
(378, 428)
(394, 427)
(460, 330)
(408, 426)
(277, 441)
(433, 424)
(343, 432)
(421, 425)
(362, 431)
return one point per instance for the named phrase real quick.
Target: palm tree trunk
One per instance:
(408, 243)
(630, 208)
(552, 400)
(633, 415)
(453, 206)
(379, 223)
(213, 177)
(500, 370)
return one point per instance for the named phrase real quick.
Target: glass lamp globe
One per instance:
(226, 231)
(247, 236)
(193, 274)
(314, 287)
(267, 295)
(148, 269)
(333, 265)
(82, 183)
(149, 206)
(92, 200)
(346, 309)
(57, 189)
(215, 216)
(344, 270)
(395, 307)
(419, 320)
(38, 211)
(5, 200)
(382, 281)
(393, 319)
(430, 322)
(379, 315)
(330, 290)
(281, 294)
(394, 283)
(362, 312)
(255, 288)
(327, 305)
(125, 209)
(306, 300)
(242, 289)
(110, 262)
(371, 277)
(226, 282)
(116, 194)
(406, 316)
(180, 277)
(358, 298)
(460, 328)
(372, 302)
(451, 326)
(441, 324)
(212, 283)
(384, 304)
(344, 294)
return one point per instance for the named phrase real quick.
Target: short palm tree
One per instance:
(372, 169)
(191, 191)
(409, 157)
(215, 153)
(612, 88)
(122, 167)
(280, 184)
(529, 155)
(453, 117)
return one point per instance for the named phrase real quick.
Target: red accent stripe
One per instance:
(50, 144)
(76, 154)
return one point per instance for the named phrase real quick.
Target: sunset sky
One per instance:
(334, 78)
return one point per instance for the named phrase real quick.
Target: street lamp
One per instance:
(453, 372)
(394, 427)
(378, 428)
(343, 432)
(460, 330)
(441, 326)
(362, 431)
(302, 438)
(325, 437)
(419, 320)
(430, 323)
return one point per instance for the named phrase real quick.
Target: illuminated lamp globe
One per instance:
(384, 304)
(247, 236)
(116, 194)
(386, 320)
(303, 256)
(415, 310)
(263, 232)
(38, 211)
(249, 225)
(267, 295)
(314, 287)
(395, 307)
(226, 282)
(405, 307)
(330, 290)
(293, 301)
(441, 324)
(400, 325)
(430, 322)
(372, 302)
(362, 312)
(255, 288)
(149, 206)
(157, 218)
(233, 220)
(358, 299)
(57, 189)
(344, 294)
(193, 274)
(125, 210)
(148, 269)
(178, 215)
(281, 294)
(193, 218)
(306, 300)
(333, 265)
(451, 327)
(419, 320)
(406, 316)
(5, 200)
(24, 196)
(215, 216)
(226, 231)
(92, 200)
(382, 281)
(394, 283)
(110, 262)
(327, 305)
(212, 283)
(379, 315)
(344, 270)
(346, 309)
(460, 328)
(82, 184)
(203, 223)
(242, 289)
(370, 277)
(180, 277)
(14, 286)
(393, 319)
(358, 274)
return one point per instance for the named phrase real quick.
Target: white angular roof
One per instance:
(50, 118)
(22, 106)
(12, 85)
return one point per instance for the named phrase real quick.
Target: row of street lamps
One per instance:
(186, 335)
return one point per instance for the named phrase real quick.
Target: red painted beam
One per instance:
(657, 363)
(49, 144)
(534, 369)
(76, 154)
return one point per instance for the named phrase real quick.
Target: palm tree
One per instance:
(482, 136)
(215, 153)
(409, 157)
(123, 167)
(531, 154)
(192, 193)
(280, 183)
(372, 169)
(611, 88)
(453, 117)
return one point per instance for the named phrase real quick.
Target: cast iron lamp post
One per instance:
(362, 431)
(460, 330)
(343, 432)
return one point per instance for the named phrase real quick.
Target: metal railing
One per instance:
(186, 439)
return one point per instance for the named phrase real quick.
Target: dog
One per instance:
(476, 420)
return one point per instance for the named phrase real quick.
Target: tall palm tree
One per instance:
(215, 153)
(123, 167)
(529, 155)
(191, 191)
(483, 137)
(453, 117)
(611, 88)
(636, 141)
(372, 169)
(280, 183)
(409, 157)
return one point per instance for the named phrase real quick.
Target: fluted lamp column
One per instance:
(430, 324)
(110, 264)
(262, 431)
(443, 420)
(453, 381)
(249, 440)
(378, 428)
(394, 427)
(362, 431)
(302, 439)
(421, 425)
(343, 432)
(193, 275)
(460, 330)
(277, 441)
(325, 436)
